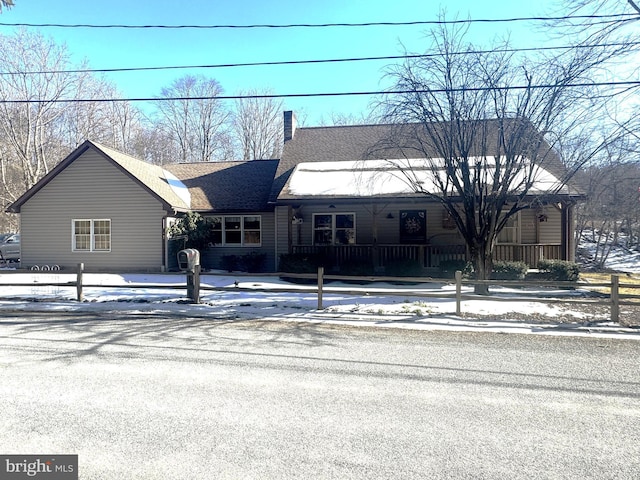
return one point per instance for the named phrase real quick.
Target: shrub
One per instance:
(448, 268)
(560, 270)
(357, 267)
(252, 262)
(300, 263)
(509, 270)
(229, 262)
(198, 230)
(404, 267)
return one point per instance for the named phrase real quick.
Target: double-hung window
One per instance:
(334, 228)
(91, 235)
(237, 230)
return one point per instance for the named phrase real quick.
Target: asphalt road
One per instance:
(143, 397)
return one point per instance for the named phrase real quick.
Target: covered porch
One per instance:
(386, 234)
(427, 256)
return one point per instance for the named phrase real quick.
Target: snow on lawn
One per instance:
(620, 259)
(246, 296)
(251, 296)
(623, 260)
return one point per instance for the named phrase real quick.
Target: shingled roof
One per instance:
(394, 141)
(227, 186)
(201, 187)
(153, 178)
(325, 144)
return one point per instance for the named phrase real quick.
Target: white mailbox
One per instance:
(188, 259)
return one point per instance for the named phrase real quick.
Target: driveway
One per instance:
(149, 397)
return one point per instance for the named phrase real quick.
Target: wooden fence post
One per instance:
(458, 292)
(80, 271)
(615, 298)
(320, 285)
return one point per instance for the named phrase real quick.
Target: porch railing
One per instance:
(429, 256)
(529, 254)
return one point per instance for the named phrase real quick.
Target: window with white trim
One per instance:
(90, 235)
(236, 230)
(334, 228)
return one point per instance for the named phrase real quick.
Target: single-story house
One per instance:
(329, 194)
(111, 211)
(339, 194)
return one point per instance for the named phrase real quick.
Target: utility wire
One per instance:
(613, 17)
(628, 84)
(317, 61)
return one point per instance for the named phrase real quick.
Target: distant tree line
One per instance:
(35, 136)
(450, 91)
(611, 214)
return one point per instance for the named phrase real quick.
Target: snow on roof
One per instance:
(365, 178)
(179, 188)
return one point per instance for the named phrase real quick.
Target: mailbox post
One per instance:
(189, 262)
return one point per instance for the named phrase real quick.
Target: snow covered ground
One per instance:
(619, 260)
(379, 304)
(245, 297)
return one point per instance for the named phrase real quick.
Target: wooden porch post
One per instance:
(374, 237)
(567, 231)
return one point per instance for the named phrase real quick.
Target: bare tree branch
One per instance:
(198, 123)
(484, 148)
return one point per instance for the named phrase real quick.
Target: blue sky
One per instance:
(114, 48)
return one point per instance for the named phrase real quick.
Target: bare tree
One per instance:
(125, 122)
(479, 121)
(41, 120)
(29, 128)
(87, 120)
(153, 146)
(258, 126)
(611, 211)
(350, 119)
(189, 111)
(6, 4)
(609, 25)
(595, 18)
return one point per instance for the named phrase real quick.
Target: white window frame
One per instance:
(243, 243)
(333, 227)
(92, 235)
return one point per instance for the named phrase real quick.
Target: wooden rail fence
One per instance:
(614, 299)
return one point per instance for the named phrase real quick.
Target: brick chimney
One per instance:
(290, 124)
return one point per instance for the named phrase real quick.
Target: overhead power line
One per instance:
(616, 17)
(627, 84)
(316, 61)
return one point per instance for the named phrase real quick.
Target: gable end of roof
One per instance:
(149, 177)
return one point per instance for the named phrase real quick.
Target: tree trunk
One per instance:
(482, 265)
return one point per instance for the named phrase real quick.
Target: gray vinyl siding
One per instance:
(528, 226)
(93, 188)
(283, 231)
(211, 258)
(532, 231)
(388, 229)
(551, 229)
